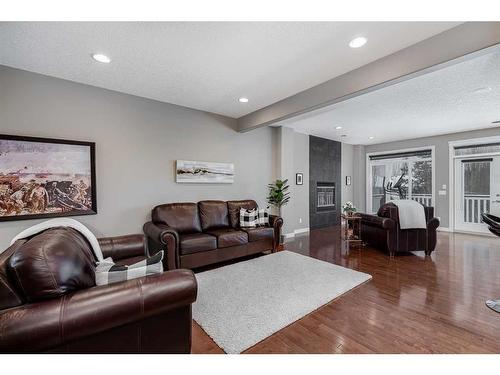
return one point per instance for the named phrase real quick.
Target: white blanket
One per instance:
(411, 214)
(63, 222)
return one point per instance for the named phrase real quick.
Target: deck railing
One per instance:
(474, 206)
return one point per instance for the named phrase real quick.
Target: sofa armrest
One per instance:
(276, 222)
(377, 221)
(163, 237)
(122, 247)
(433, 223)
(48, 324)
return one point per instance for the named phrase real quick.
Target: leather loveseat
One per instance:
(207, 232)
(383, 231)
(49, 301)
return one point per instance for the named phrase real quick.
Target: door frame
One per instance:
(368, 195)
(451, 179)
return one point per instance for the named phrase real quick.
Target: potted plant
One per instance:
(348, 208)
(278, 194)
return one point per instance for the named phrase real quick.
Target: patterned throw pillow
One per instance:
(248, 218)
(263, 217)
(108, 272)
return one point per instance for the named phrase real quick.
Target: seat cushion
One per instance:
(196, 242)
(52, 263)
(259, 233)
(213, 215)
(233, 208)
(228, 237)
(183, 217)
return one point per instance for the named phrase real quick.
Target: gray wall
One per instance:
(293, 150)
(441, 162)
(347, 169)
(137, 141)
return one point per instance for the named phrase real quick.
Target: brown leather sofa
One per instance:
(207, 232)
(49, 301)
(383, 231)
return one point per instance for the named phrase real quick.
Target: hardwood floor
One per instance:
(413, 304)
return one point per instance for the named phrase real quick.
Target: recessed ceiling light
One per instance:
(101, 58)
(338, 127)
(372, 137)
(344, 135)
(243, 100)
(481, 90)
(360, 41)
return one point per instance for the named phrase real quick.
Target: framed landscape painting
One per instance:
(43, 178)
(204, 172)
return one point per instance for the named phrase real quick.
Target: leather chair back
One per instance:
(51, 264)
(234, 210)
(213, 214)
(9, 296)
(183, 217)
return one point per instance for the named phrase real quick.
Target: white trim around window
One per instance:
(368, 195)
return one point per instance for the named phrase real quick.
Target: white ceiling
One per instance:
(439, 102)
(209, 65)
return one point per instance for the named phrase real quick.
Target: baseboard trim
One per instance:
(443, 229)
(295, 232)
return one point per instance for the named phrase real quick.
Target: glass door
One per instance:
(477, 184)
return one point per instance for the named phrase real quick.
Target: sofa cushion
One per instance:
(233, 208)
(229, 237)
(196, 242)
(53, 263)
(213, 214)
(183, 217)
(259, 233)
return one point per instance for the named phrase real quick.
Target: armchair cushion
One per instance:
(53, 263)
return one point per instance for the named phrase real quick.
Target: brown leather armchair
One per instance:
(207, 232)
(383, 231)
(49, 301)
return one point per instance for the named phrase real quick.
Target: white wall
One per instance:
(137, 142)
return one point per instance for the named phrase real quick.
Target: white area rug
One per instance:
(243, 303)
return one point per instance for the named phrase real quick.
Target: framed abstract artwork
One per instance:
(44, 178)
(204, 172)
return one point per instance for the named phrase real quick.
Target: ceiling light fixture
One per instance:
(496, 122)
(360, 41)
(372, 137)
(338, 127)
(101, 58)
(482, 90)
(243, 100)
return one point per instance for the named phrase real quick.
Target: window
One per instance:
(401, 175)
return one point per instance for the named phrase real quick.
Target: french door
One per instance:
(477, 191)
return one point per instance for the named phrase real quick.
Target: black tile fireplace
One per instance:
(324, 182)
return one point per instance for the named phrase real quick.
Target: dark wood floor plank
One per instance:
(413, 304)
